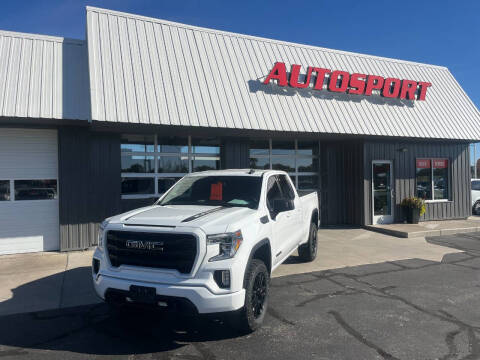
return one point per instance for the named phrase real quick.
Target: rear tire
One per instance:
(256, 284)
(308, 251)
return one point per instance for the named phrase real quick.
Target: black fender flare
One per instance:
(265, 241)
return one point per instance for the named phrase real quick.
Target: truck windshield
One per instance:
(241, 191)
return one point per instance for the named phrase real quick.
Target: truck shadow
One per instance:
(95, 329)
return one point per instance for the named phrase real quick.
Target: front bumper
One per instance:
(202, 298)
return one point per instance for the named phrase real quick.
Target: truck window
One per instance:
(286, 188)
(242, 191)
(273, 192)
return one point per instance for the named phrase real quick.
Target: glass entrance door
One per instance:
(382, 192)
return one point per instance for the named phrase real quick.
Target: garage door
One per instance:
(28, 190)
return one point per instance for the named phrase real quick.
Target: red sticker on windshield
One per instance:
(216, 191)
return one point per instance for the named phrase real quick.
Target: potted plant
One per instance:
(413, 207)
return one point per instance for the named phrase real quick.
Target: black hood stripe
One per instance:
(203, 213)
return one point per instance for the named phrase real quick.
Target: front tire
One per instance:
(476, 208)
(257, 281)
(308, 251)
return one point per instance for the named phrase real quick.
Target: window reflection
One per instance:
(4, 190)
(137, 186)
(137, 164)
(137, 143)
(35, 189)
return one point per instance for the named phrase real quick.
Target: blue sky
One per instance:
(441, 32)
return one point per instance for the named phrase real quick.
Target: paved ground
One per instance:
(44, 281)
(404, 309)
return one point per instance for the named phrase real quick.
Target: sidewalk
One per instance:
(49, 280)
(429, 228)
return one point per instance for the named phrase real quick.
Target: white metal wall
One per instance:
(28, 225)
(145, 70)
(43, 77)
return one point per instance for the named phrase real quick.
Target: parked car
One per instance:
(208, 245)
(476, 196)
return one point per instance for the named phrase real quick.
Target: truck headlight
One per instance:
(228, 244)
(101, 230)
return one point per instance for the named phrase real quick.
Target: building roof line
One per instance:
(58, 39)
(257, 38)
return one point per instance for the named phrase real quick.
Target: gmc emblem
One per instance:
(145, 245)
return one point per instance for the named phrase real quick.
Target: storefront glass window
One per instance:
(298, 158)
(137, 163)
(440, 179)
(475, 160)
(152, 164)
(137, 143)
(259, 147)
(173, 164)
(260, 163)
(432, 179)
(136, 186)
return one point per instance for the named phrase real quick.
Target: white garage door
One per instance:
(28, 190)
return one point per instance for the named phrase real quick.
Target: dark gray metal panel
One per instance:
(235, 153)
(89, 184)
(458, 205)
(341, 173)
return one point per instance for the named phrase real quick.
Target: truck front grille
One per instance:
(154, 250)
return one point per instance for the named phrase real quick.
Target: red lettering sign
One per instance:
(423, 163)
(216, 191)
(279, 73)
(440, 163)
(344, 82)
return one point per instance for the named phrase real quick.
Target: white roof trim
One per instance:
(41, 37)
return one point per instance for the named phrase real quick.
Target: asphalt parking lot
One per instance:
(406, 309)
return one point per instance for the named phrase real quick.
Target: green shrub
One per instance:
(414, 203)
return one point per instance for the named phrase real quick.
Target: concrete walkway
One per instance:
(42, 281)
(429, 228)
(340, 247)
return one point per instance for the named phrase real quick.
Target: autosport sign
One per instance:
(344, 82)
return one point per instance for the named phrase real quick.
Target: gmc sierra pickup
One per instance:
(208, 245)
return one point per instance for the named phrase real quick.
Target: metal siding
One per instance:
(341, 189)
(203, 77)
(43, 77)
(89, 184)
(404, 175)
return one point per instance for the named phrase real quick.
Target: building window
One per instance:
(152, 164)
(205, 154)
(4, 190)
(298, 158)
(35, 189)
(432, 179)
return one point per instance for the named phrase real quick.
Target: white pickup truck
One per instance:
(208, 245)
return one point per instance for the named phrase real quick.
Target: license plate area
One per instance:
(143, 294)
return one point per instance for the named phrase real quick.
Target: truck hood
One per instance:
(208, 218)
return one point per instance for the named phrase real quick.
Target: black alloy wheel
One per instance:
(259, 294)
(257, 281)
(476, 208)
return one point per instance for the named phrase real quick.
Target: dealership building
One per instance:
(92, 128)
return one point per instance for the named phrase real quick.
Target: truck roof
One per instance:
(236, 172)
